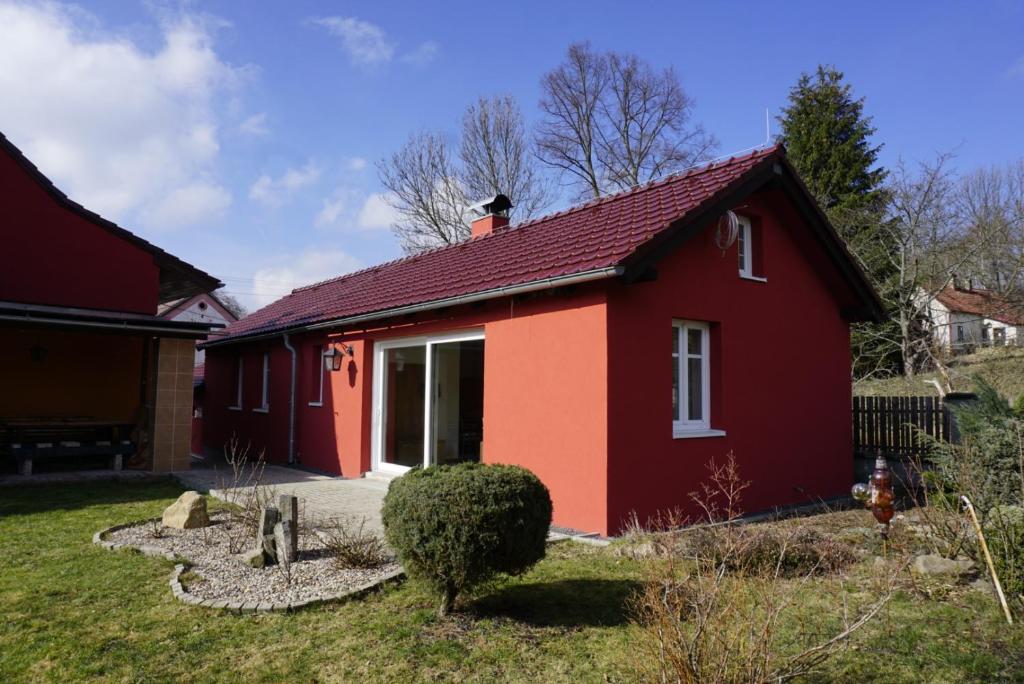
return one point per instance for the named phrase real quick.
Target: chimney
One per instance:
(491, 213)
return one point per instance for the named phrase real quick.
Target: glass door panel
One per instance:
(404, 394)
(457, 370)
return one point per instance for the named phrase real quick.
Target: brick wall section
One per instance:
(172, 412)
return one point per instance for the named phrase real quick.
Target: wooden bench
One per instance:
(27, 441)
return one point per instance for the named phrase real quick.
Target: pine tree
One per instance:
(828, 140)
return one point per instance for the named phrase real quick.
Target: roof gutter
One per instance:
(126, 327)
(506, 291)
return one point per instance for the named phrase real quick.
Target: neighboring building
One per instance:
(614, 349)
(88, 370)
(964, 318)
(201, 308)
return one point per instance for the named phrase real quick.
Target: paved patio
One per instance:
(321, 495)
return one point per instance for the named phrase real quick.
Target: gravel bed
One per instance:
(217, 574)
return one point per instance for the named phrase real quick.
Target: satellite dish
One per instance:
(727, 231)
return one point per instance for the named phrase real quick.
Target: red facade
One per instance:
(577, 380)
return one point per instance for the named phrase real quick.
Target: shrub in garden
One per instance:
(1004, 533)
(457, 526)
(352, 545)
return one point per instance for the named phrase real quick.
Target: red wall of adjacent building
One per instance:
(780, 372)
(49, 255)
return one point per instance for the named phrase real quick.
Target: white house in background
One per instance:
(204, 308)
(964, 318)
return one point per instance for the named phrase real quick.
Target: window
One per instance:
(960, 334)
(743, 245)
(747, 249)
(316, 385)
(264, 385)
(239, 367)
(691, 382)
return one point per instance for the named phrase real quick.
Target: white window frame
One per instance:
(684, 427)
(318, 361)
(238, 385)
(379, 419)
(745, 249)
(264, 406)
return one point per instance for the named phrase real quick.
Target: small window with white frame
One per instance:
(691, 382)
(264, 385)
(239, 379)
(745, 247)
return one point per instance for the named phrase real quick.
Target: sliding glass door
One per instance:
(428, 401)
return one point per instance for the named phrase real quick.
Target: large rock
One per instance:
(188, 512)
(933, 564)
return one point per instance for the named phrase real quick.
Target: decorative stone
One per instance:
(289, 506)
(256, 558)
(287, 551)
(933, 564)
(188, 512)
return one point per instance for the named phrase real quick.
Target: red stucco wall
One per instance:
(49, 255)
(577, 385)
(780, 373)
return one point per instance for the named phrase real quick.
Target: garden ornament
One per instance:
(878, 494)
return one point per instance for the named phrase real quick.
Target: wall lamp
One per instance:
(333, 356)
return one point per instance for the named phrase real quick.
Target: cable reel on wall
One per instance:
(727, 230)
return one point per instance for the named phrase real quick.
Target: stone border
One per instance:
(182, 565)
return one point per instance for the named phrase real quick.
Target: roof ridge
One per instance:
(504, 230)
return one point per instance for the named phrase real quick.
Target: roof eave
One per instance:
(483, 295)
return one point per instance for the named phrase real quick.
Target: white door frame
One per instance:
(377, 463)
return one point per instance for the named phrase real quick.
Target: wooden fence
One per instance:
(892, 425)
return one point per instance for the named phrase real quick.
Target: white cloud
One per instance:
(274, 193)
(376, 213)
(363, 42)
(422, 55)
(196, 203)
(255, 125)
(355, 164)
(292, 271)
(125, 131)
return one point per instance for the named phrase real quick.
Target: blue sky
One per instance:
(243, 136)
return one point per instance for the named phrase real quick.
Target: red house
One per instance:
(88, 371)
(613, 349)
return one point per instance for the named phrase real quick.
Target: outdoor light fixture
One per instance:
(332, 357)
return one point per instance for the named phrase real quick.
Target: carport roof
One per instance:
(108, 321)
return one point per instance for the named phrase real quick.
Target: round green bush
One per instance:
(457, 526)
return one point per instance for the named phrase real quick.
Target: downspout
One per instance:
(291, 400)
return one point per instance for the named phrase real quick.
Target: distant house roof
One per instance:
(173, 307)
(983, 303)
(178, 279)
(619, 235)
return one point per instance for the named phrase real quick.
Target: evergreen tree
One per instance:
(828, 140)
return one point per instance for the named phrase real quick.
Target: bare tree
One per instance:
(612, 122)
(992, 203)
(496, 157)
(431, 187)
(424, 187)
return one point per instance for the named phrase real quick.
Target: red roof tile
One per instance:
(981, 303)
(597, 235)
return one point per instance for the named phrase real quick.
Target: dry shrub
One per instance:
(793, 551)
(243, 490)
(728, 608)
(352, 545)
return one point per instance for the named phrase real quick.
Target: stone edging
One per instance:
(181, 565)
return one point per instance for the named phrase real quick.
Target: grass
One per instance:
(71, 611)
(1003, 367)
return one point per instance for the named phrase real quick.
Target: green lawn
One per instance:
(73, 611)
(1003, 367)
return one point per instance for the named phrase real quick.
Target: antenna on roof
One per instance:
(767, 127)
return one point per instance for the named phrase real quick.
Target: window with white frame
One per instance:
(316, 388)
(745, 248)
(239, 368)
(691, 384)
(265, 384)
